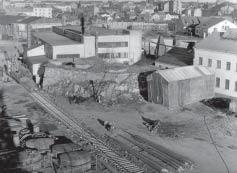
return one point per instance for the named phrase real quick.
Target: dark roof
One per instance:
(177, 56)
(37, 59)
(96, 30)
(54, 39)
(210, 21)
(189, 20)
(10, 19)
(28, 20)
(223, 43)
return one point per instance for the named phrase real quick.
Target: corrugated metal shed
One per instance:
(175, 88)
(187, 72)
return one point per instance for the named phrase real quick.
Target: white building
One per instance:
(211, 24)
(57, 46)
(41, 11)
(121, 46)
(64, 7)
(219, 53)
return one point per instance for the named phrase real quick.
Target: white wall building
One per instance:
(213, 24)
(57, 46)
(219, 53)
(43, 12)
(121, 46)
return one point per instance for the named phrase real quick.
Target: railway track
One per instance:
(105, 153)
(170, 160)
(116, 160)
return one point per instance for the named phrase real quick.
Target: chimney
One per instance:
(82, 25)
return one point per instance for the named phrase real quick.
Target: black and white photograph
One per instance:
(118, 86)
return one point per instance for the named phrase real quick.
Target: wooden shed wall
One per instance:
(177, 94)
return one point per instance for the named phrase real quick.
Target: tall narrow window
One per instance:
(236, 86)
(218, 81)
(209, 62)
(227, 84)
(200, 61)
(227, 65)
(218, 64)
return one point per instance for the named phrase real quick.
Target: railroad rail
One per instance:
(112, 161)
(173, 160)
(105, 153)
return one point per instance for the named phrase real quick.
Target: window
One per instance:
(227, 84)
(112, 44)
(236, 86)
(218, 81)
(209, 62)
(113, 55)
(200, 60)
(228, 66)
(218, 64)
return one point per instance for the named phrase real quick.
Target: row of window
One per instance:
(218, 64)
(113, 55)
(227, 84)
(112, 44)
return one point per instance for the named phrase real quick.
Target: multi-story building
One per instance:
(219, 53)
(121, 46)
(42, 11)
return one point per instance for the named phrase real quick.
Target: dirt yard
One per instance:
(182, 131)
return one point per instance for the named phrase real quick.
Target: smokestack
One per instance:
(82, 25)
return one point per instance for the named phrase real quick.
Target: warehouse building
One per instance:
(178, 87)
(115, 46)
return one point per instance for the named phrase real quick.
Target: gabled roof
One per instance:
(184, 73)
(177, 56)
(210, 21)
(226, 43)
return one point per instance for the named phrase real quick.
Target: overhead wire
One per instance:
(215, 146)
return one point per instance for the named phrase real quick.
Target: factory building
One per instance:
(115, 46)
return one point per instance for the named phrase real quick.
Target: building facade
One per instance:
(43, 12)
(115, 46)
(211, 25)
(219, 53)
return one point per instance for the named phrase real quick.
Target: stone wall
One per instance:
(75, 82)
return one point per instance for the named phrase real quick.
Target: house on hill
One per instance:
(213, 24)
